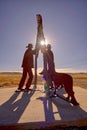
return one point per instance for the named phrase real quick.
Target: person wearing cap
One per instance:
(27, 65)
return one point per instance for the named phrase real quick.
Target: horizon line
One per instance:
(60, 70)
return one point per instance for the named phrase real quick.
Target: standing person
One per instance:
(50, 58)
(27, 65)
(49, 67)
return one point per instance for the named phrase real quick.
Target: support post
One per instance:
(39, 38)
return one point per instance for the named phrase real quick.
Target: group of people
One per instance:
(28, 63)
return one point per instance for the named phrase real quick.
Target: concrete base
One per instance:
(33, 110)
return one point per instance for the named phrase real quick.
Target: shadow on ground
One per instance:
(12, 110)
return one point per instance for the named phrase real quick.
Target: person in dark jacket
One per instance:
(48, 64)
(50, 60)
(50, 57)
(27, 65)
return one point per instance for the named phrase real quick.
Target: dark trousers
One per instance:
(24, 76)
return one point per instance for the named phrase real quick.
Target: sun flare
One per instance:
(44, 42)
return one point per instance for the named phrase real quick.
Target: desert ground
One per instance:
(11, 79)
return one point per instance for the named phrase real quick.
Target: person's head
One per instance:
(43, 48)
(49, 47)
(29, 46)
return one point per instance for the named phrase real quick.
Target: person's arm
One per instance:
(34, 51)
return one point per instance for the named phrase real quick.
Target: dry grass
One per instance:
(80, 79)
(11, 79)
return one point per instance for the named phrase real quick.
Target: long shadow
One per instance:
(11, 110)
(64, 110)
(67, 111)
(48, 112)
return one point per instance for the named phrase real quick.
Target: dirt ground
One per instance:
(11, 79)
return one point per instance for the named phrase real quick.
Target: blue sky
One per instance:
(65, 27)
